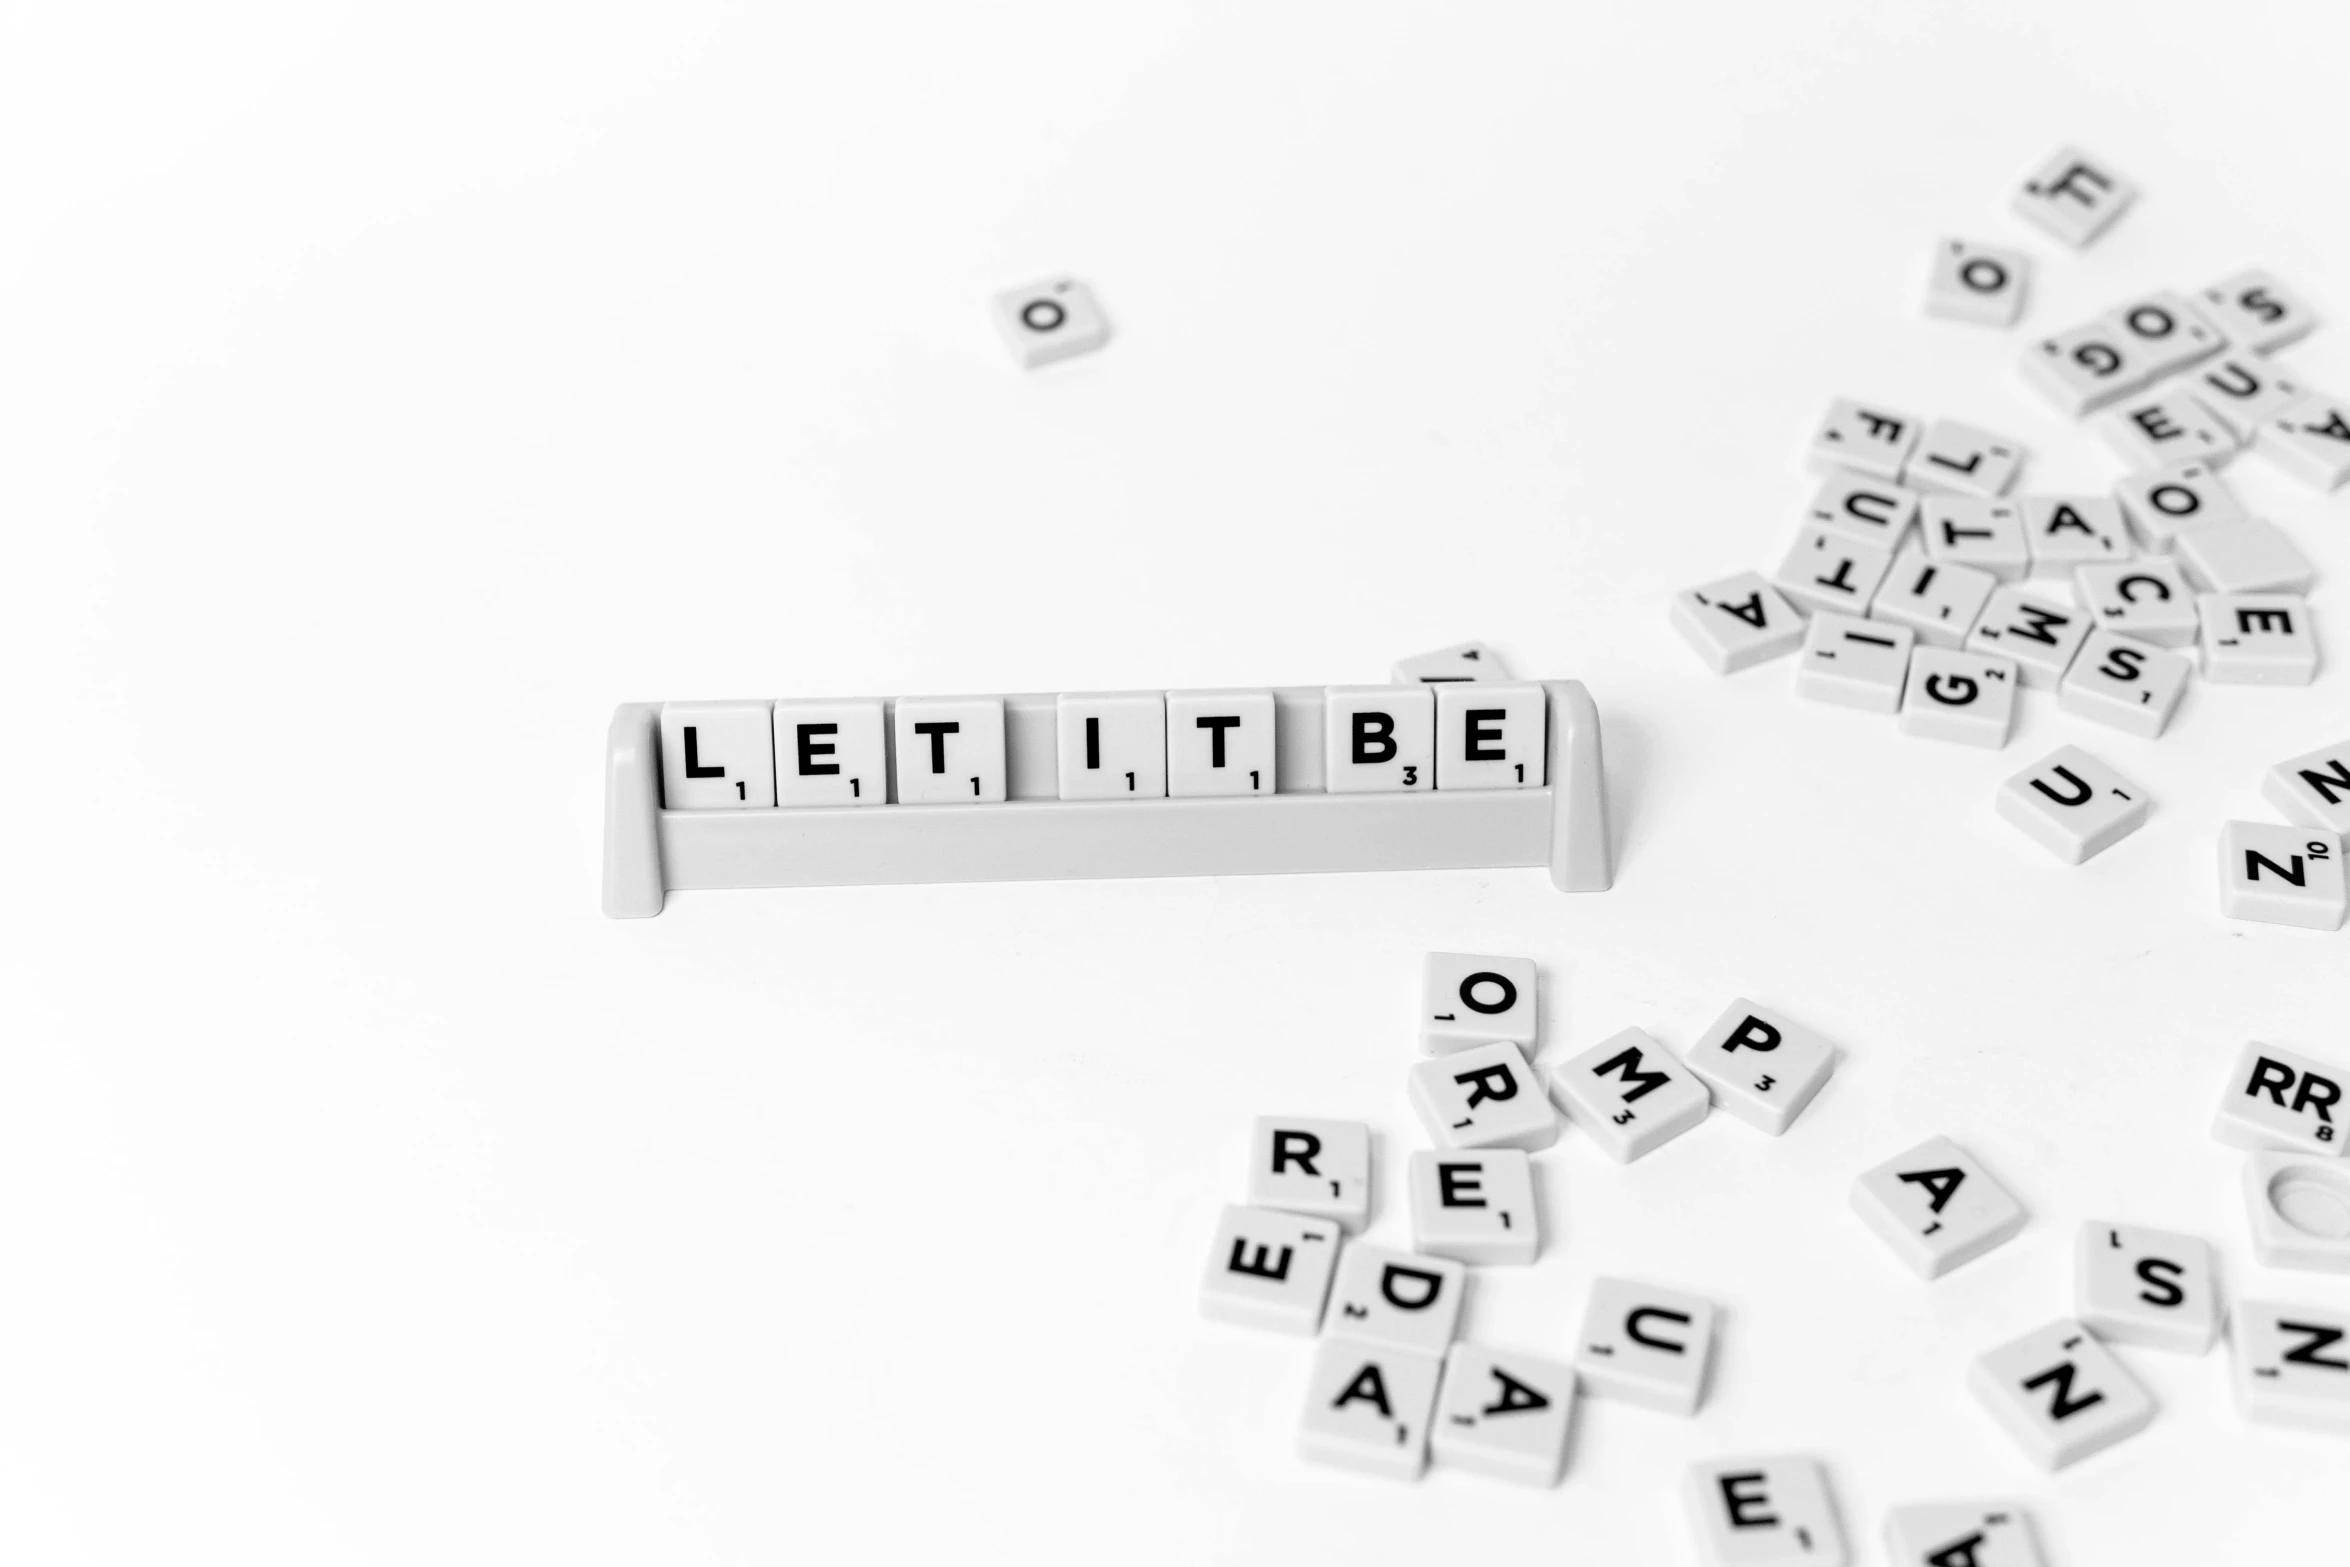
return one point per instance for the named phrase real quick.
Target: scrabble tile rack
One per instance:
(1033, 835)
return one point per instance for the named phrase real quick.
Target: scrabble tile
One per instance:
(1827, 570)
(1483, 1097)
(1397, 1298)
(1763, 1512)
(1629, 1095)
(2065, 532)
(2084, 369)
(1936, 1207)
(2245, 557)
(1504, 1415)
(1645, 1345)
(2282, 876)
(1491, 736)
(2060, 1394)
(1368, 1408)
(2244, 390)
(1378, 739)
(1961, 1534)
(2299, 1210)
(2279, 1100)
(1469, 998)
(1270, 1270)
(1469, 661)
(2165, 429)
(1056, 319)
(2310, 440)
(1875, 511)
(2131, 685)
(831, 753)
(1984, 284)
(2074, 197)
(1963, 697)
(1322, 1168)
(2146, 599)
(2168, 333)
(2166, 503)
(716, 756)
(1969, 530)
(1113, 745)
(2292, 1365)
(2072, 805)
(1958, 458)
(2257, 639)
(1737, 622)
(2313, 790)
(1854, 662)
(950, 750)
(2040, 636)
(1762, 1067)
(2257, 312)
(1936, 599)
(2158, 1288)
(1219, 742)
(1864, 438)
(1475, 1205)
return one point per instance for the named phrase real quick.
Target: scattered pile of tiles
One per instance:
(1389, 1385)
(1926, 587)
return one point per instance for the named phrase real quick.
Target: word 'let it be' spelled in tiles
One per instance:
(1119, 745)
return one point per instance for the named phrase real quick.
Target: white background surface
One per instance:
(389, 391)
